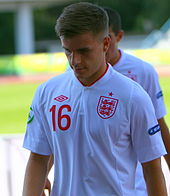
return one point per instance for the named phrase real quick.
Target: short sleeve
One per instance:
(35, 138)
(153, 88)
(145, 131)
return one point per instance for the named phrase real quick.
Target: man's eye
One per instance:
(84, 51)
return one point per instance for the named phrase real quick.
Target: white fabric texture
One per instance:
(96, 133)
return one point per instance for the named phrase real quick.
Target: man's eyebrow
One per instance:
(79, 49)
(83, 49)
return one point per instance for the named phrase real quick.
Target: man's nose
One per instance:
(75, 59)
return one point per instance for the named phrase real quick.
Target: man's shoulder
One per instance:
(137, 63)
(130, 57)
(121, 80)
(126, 88)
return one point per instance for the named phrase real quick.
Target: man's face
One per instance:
(113, 48)
(86, 55)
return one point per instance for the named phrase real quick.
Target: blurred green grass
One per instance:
(165, 84)
(15, 100)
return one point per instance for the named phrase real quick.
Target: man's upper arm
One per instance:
(145, 131)
(166, 138)
(39, 157)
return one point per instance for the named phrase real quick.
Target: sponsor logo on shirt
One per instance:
(106, 107)
(158, 95)
(30, 116)
(154, 130)
(61, 98)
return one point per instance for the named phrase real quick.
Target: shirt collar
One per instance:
(105, 77)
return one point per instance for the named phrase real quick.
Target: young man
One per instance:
(91, 119)
(145, 75)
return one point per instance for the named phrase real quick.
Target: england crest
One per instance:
(106, 107)
(131, 76)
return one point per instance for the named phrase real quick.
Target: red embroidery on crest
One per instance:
(106, 107)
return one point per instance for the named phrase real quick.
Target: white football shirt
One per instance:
(144, 74)
(96, 133)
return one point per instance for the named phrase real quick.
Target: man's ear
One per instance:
(119, 36)
(106, 43)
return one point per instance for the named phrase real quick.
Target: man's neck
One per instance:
(116, 58)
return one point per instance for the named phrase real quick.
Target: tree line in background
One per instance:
(138, 17)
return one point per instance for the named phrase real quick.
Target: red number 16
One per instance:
(60, 117)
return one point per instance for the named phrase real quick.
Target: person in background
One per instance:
(91, 119)
(144, 74)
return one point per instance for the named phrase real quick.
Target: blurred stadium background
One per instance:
(30, 53)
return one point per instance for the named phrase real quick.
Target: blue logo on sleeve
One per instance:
(154, 130)
(158, 95)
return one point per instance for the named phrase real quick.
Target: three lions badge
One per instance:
(106, 107)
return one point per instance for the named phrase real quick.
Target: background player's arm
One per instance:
(50, 163)
(166, 139)
(47, 181)
(154, 178)
(35, 175)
